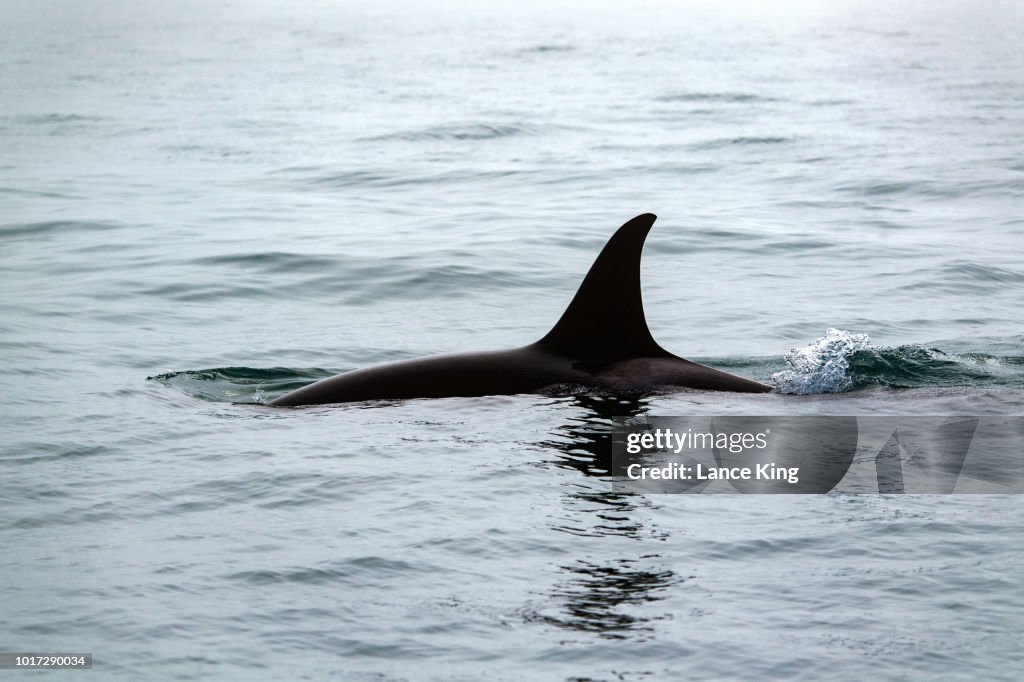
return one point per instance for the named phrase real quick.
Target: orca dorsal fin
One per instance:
(605, 321)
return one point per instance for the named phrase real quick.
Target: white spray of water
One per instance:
(823, 366)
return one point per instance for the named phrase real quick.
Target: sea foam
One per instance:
(823, 366)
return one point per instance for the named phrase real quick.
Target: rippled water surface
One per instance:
(202, 207)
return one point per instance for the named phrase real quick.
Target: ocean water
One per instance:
(203, 205)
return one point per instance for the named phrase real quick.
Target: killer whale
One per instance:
(601, 341)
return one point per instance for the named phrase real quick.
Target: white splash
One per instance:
(823, 366)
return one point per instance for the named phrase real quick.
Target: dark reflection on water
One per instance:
(595, 597)
(585, 443)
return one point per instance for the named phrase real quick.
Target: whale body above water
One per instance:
(601, 341)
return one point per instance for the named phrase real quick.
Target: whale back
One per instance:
(605, 321)
(601, 340)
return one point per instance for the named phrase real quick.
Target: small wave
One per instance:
(356, 283)
(545, 49)
(727, 97)
(54, 227)
(458, 132)
(348, 179)
(239, 384)
(883, 188)
(721, 142)
(831, 102)
(58, 118)
(915, 366)
(342, 571)
(925, 188)
(274, 262)
(979, 272)
(960, 276)
(442, 281)
(843, 361)
(797, 245)
(21, 192)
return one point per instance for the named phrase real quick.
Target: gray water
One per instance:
(204, 206)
